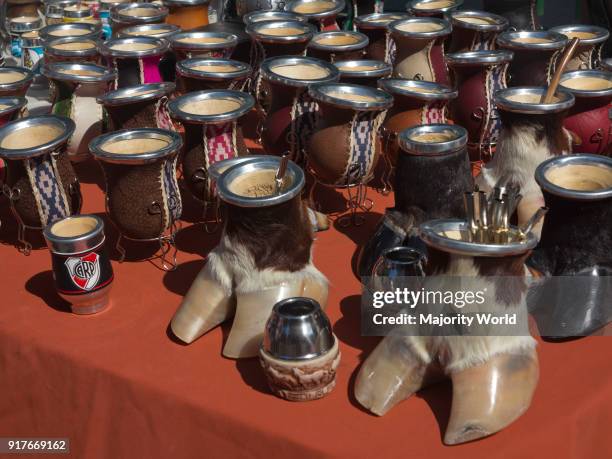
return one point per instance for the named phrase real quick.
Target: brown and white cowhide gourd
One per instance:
(264, 256)
(531, 133)
(493, 377)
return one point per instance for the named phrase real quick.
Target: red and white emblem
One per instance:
(84, 271)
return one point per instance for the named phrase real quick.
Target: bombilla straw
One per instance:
(565, 58)
(483, 218)
(468, 203)
(280, 173)
(488, 217)
(534, 220)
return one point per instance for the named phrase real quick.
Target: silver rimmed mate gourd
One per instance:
(337, 45)
(345, 146)
(142, 194)
(415, 103)
(139, 106)
(433, 8)
(478, 75)
(380, 47)
(71, 49)
(535, 54)
(280, 38)
(158, 31)
(135, 60)
(589, 119)
(321, 12)
(272, 39)
(588, 54)
(40, 183)
(186, 45)
(419, 44)
(575, 251)
(365, 72)
(475, 30)
(198, 74)
(15, 81)
(291, 112)
(75, 88)
(211, 120)
(214, 173)
(128, 14)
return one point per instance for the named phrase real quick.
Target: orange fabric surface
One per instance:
(118, 386)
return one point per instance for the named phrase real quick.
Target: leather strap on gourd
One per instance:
(51, 201)
(304, 115)
(495, 79)
(170, 192)
(162, 115)
(390, 49)
(219, 142)
(434, 112)
(149, 69)
(362, 147)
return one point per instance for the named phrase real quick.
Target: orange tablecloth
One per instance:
(118, 386)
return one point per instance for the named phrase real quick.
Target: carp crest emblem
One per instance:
(84, 271)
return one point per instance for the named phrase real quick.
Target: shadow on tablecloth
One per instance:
(42, 285)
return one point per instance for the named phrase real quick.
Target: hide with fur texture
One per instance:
(426, 187)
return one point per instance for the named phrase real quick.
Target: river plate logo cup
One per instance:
(84, 271)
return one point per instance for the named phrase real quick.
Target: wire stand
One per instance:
(23, 245)
(210, 227)
(357, 201)
(167, 261)
(484, 148)
(389, 138)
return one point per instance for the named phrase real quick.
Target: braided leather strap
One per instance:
(363, 134)
(51, 200)
(220, 142)
(304, 115)
(494, 81)
(170, 192)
